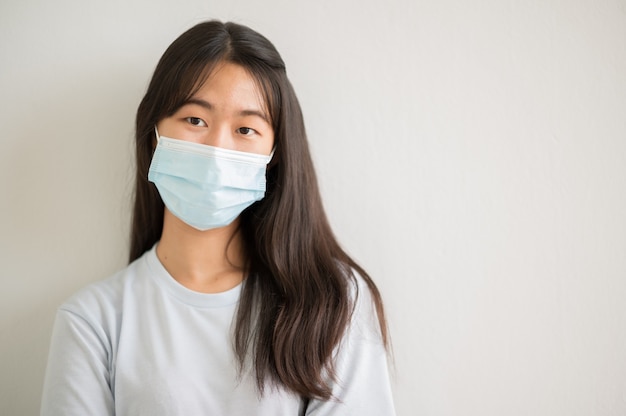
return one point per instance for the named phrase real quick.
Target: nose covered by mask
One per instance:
(205, 186)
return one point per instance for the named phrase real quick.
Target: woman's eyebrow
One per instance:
(257, 113)
(242, 113)
(201, 103)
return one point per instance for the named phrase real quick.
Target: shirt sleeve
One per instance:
(77, 381)
(362, 387)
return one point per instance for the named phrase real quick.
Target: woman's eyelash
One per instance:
(195, 121)
(246, 130)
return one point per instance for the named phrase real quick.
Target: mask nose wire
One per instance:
(158, 137)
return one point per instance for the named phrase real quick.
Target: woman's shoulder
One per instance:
(100, 295)
(365, 320)
(103, 298)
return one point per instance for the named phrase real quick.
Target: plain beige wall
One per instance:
(472, 155)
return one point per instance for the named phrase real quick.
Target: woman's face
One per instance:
(228, 111)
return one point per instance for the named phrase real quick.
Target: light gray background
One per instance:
(471, 154)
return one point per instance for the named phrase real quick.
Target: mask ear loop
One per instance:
(158, 136)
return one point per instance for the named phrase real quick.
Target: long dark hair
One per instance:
(299, 293)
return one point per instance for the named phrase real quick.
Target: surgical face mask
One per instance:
(204, 186)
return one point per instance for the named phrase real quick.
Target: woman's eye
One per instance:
(246, 131)
(195, 121)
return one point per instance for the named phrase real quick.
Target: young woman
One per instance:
(238, 299)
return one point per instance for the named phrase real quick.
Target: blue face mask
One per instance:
(204, 186)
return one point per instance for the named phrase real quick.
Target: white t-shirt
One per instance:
(139, 343)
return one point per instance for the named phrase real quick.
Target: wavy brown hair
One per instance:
(298, 296)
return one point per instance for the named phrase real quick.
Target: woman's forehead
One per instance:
(229, 83)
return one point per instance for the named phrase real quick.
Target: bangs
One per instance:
(185, 84)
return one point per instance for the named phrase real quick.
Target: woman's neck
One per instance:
(204, 261)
